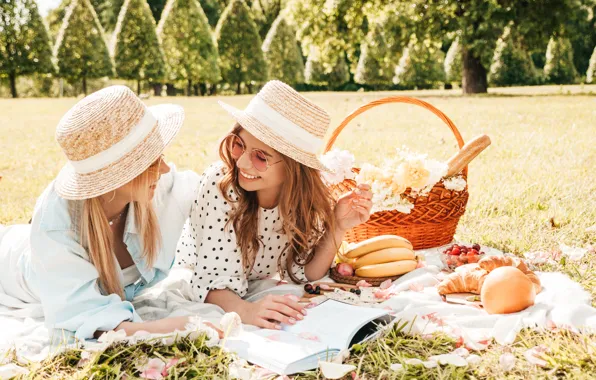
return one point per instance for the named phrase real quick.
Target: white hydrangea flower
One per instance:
(455, 183)
(340, 162)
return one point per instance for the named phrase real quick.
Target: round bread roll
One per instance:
(507, 290)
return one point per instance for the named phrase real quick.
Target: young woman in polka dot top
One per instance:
(264, 209)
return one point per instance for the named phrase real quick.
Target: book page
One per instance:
(334, 323)
(277, 350)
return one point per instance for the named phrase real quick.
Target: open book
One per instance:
(320, 336)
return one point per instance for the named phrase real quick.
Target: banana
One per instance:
(377, 243)
(384, 256)
(394, 268)
(340, 257)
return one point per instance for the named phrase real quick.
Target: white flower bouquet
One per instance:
(401, 178)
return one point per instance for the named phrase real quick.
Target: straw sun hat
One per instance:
(286, 121)
(111, 137)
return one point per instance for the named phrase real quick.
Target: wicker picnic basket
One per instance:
(433, 220)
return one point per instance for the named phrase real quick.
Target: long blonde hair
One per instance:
(97, 237)
(305, 207)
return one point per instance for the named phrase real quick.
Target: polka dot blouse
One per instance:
(209, 247)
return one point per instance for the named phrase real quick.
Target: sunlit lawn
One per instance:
(534, 188)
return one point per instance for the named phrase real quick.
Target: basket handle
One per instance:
(396, 99)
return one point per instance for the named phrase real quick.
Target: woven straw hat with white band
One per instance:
(286, 121)
(111, 137)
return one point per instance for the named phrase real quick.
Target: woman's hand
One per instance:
(270, 311)
(353, 208)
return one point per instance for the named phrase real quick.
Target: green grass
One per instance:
(531, 190)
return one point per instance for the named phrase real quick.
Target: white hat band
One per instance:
(114, 153)
(283, 127)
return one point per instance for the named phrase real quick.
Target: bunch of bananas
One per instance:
(381, 256)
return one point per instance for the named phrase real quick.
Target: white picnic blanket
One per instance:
(562, 304)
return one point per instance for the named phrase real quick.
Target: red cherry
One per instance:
(455, 252)
(473, 252)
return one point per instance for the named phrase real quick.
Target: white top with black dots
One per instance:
(209, 247)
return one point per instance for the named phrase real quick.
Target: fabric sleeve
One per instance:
(67, 285)
(217, 261)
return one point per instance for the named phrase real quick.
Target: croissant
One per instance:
(463, 282)
(492, 262)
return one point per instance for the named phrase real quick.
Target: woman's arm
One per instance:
(268, 312)
(351, 210)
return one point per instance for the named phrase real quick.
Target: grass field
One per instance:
(534, 188)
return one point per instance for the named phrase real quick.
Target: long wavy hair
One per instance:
(97, 237)
(305, 206)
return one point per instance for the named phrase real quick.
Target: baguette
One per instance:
(394, 268)
(467, 153)
(377, 243)
(384, 256)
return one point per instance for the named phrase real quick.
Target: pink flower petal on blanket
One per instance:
(334, 370)
(383, 294)
(363, 284)
(452, 359)
(421, 264)
(463, 352)
(309, 336)
(507, 362)
(416, 287)
(386, 284)
(153, 369)
(534, 355)
(171, 363)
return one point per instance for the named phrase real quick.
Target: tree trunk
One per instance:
(157, 89)
(170, 89)
(189, 88)
(13, 84)
(85, 86)
(238, 89)
(213, 89)
(203, 89)
(196, 89)
(249, 85)
(138, 87)
(474, 78)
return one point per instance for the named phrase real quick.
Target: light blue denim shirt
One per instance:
(58, 270)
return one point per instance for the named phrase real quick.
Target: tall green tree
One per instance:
(265, 12)
(374, 66)
(324, 67)
(81, 50)
(453, 62)
(107, 12)
(512, 63)
(239, 43)
(213, 9)
(421, 65)
(135, 47)
(591, 73)
(481, 22)
(559, 67)
(282, 53)
(24, 42)
(188, 44)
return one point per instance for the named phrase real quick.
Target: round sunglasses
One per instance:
(258, 158)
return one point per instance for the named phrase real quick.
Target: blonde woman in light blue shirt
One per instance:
(107, 227)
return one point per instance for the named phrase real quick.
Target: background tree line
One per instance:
(200, 47)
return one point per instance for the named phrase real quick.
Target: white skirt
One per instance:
(15, 295)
